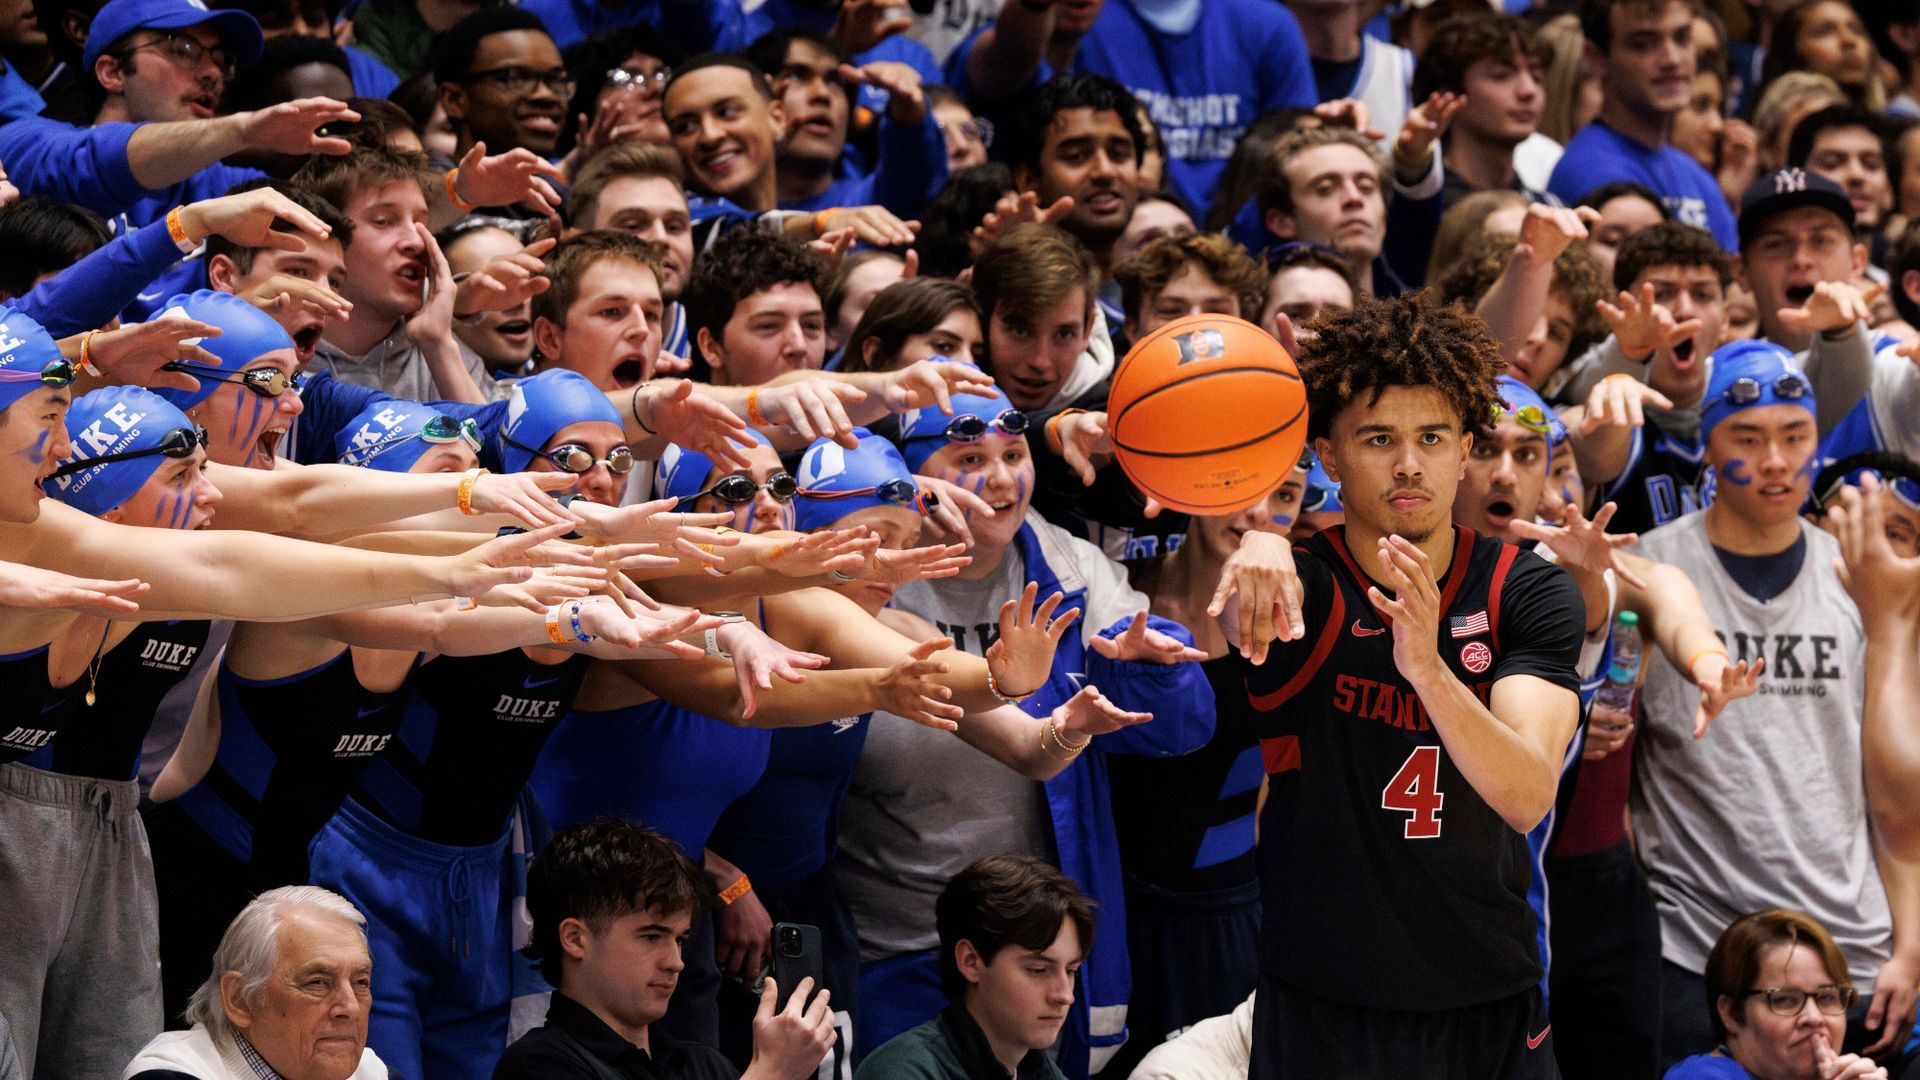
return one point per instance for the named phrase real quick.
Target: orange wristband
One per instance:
(736, 890)
(1695, 658)
(820, 219)
(754, 415)
(453, 191)
(179, 233)
(86, 354)
(1052, 428)
(554, 633)
(463, 495)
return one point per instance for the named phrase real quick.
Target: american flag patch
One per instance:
(1468, 625)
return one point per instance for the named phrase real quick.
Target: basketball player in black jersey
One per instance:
(1412, 735)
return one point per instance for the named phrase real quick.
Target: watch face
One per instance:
(728, 616)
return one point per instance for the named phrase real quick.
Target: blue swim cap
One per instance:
(683, 472)
(543, 404)
(1749, 374)
(923, 432)
(114, 420)
(1322, 494)
(828, 468)
(246, 334)
(392, 435)
(25, 349)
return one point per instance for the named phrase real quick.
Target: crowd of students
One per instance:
(523, 524)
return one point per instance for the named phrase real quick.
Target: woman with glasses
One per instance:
(894, 803)
(760, 496)
(244, 403)
(1779, 992)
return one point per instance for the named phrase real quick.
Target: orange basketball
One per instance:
(1207, 414)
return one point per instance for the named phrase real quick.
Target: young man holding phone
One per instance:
(613, 903)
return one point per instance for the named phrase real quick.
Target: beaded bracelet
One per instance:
(994, 688)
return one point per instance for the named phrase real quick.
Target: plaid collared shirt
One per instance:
(260, 1067)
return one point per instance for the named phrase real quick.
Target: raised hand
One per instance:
(897, 567)
(1414, 607)
(696, 421)
(508, 560)
(1833, 305)
(505, 280)
(1424, 126)
(291, 127)
(757, 658)
(1090, 713)
(1547, 231)
(909, 688)
(1620, 400)
(280, 293)
(248, 218)
(526, 496)
(1261, 573)
(434, 320)
(1347, 113)
(517, 176)
(926, 382)
(1722, 683)
(875, 225)
(1011, 210)
(651, 523)
(1022, 658)
(1884, 586)
(1145, 645)
(813, 408)
(906, 100)
(1585, 544)
(137, 354)
(823, 552)
(950, 507)
(862, 24)
(1082, 436)
(32, 587)
(1642, 327)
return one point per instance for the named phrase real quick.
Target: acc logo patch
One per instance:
(1476, 657)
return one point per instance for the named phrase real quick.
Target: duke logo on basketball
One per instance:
(1200, 345)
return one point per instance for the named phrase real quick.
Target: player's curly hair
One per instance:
(1404, 341)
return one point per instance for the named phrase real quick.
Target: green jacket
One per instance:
(948, 1047)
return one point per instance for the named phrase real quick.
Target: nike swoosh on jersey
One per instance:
(1362, 631)
(530, 684)
(1534, 1041)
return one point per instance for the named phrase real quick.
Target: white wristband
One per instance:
(713, 645)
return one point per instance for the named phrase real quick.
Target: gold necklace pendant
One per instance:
(90, 697)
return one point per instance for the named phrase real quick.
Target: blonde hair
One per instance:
(1782, 96)
(1566, 73)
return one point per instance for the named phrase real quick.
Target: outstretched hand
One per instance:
(1143, 644)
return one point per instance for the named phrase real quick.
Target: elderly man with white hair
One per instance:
(287, 999)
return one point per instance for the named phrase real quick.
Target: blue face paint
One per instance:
(1282, 520)
(177, 507)
(1734, 472)
(260, 410)
(37, 453)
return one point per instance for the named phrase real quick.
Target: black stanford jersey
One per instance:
(1386, 879)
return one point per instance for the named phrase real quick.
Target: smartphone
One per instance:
(797, 955)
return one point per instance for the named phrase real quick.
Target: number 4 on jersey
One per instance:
(1415, 790)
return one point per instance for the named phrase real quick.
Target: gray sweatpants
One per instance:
(80, 965)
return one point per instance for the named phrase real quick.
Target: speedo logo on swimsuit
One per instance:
(526, 710)
(167, 654)
(357, 746)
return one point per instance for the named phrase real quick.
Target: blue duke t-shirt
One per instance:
(1598, 155)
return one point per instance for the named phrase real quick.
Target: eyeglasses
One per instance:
(969, 428)
(57, 374)
(1904, 488)
(976, 128)
(179, 443)
(268, 382)
(517, 80)
(440, 430)
(640, 82)
(1789, 1000)
(738, 489)
(899, 491)
(186, 51)
(1790, 386)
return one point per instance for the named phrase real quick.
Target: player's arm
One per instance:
(1510, 748)
(1259, 598)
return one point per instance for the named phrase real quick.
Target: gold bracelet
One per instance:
(1053, 729)
(463, 495)
(736, 890)
(1048, 750)
(1011, 699)
(453, 191)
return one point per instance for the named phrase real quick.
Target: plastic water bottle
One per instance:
(1617, 692)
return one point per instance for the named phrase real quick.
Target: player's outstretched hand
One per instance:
(1414, 607)
(1143, 644)
(1262, 575)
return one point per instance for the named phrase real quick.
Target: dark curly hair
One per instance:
(1463, 39)
(1024, 135)
(742, 262)
(1404, 341)
(599, 871)
(1669, 243)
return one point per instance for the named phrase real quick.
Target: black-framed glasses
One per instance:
(1790, 386)
(1788, 1000)
(738, 489)
(178, 443)
(968, 428)
(517, 80)
(56, 374)
(186, 51)
(978, 128)
(440, 430)
(639, 82)
(268, 382)
(898, 491)
(1904, 488)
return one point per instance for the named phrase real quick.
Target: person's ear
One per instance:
(1323, 449)
(117, 515)
(710, 349)
(574, 936)
(973, 967)
(107, 70)
(1466, 446)
(777, 114)
(870, 345)
(1729, 1017)
(1280, 224)
(546, 338)
(1859, 261)
(221, 273)
(453, 99)
(1910, 285)
(239, 1013)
